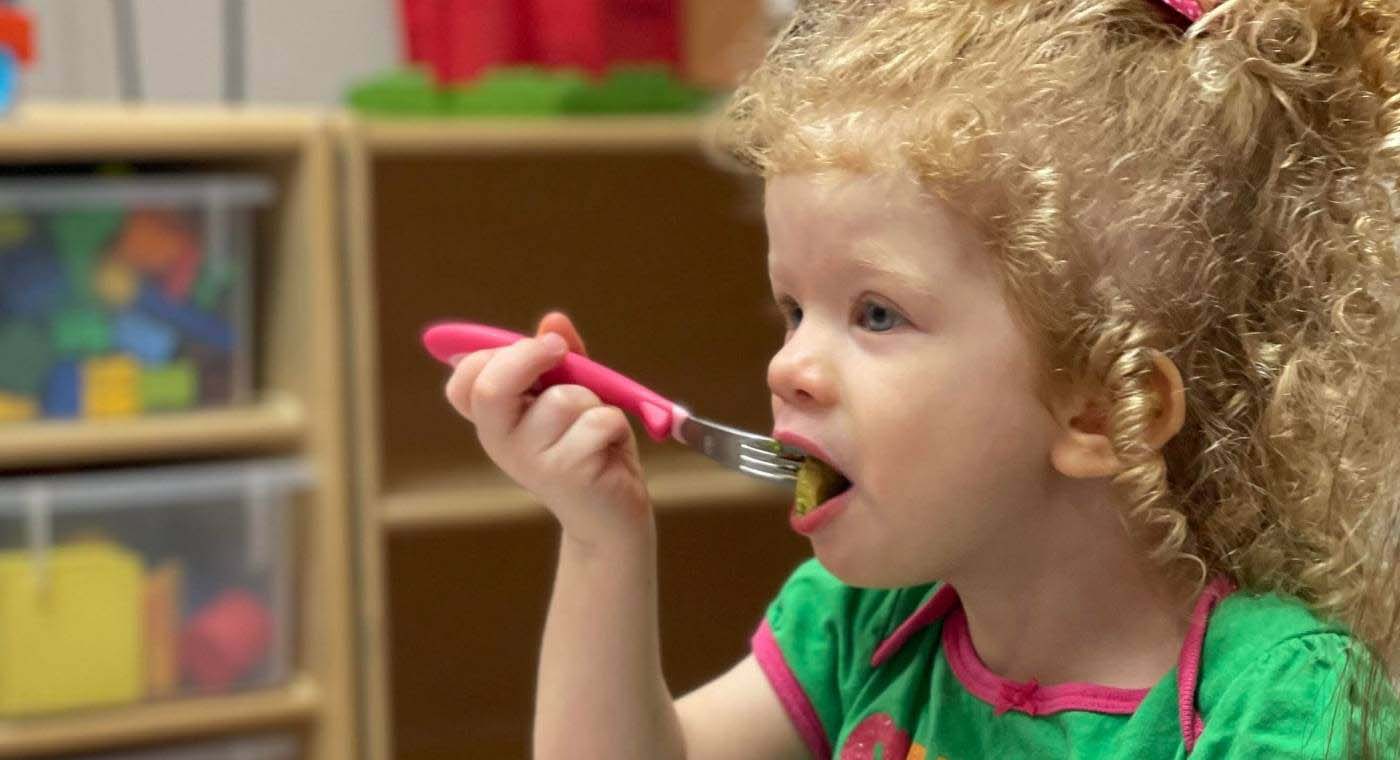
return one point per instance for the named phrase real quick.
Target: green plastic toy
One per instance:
(81, 332)
(169, 387)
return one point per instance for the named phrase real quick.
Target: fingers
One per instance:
(553, 413)
(594, 431)
(559, 322)
(493, 395)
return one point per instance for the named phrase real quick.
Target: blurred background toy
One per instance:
(16, 50)
(521, 57)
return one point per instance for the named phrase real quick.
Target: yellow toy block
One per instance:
(111, 387)
(70, 632)
(15, 408)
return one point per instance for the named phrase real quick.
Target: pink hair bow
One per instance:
(1191, 9)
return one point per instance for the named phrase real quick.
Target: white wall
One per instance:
(295, 51)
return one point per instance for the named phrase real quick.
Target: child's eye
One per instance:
(879, 318)
(790, 312)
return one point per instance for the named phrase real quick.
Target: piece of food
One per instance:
(817, 482)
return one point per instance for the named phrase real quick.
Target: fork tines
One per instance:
(767, 463)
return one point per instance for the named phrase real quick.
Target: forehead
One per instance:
(838, 220)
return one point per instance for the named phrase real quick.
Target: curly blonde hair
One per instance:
(1221, 192)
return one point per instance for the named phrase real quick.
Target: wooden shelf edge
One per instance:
(274, 422)
(686, 484)
(614, 133)
(159, 721)
(106, 129)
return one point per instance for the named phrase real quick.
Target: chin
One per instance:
(867, 570)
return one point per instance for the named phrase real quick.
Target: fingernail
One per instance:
(555, 343)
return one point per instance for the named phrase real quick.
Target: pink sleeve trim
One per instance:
(799, 707)
(1188, 669)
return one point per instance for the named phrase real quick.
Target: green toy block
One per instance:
(409, 92)
(81, 332)
(27, 357)
(170, 386)
(636, 89)
(516, 91)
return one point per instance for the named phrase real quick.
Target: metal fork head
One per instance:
(749, 453)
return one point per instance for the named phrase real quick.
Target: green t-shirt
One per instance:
(869, 674)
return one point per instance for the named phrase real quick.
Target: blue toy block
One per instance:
(202, 327)
(151, 341)
(31, 283)
(63, 394)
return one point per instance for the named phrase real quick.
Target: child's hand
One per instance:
(573, 452)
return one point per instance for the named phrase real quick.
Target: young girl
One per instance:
(1094, 303)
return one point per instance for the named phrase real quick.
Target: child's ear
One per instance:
(1082, 448)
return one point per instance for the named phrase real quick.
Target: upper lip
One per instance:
(808, 445)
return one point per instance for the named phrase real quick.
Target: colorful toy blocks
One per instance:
(115, 299)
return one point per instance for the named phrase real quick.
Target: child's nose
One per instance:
(799, 375)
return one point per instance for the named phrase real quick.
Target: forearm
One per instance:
(600, 692)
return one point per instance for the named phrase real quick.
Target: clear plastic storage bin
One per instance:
(129, 585)
(271, 747)
(122, 296)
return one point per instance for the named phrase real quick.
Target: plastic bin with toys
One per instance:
(269, 747)
(128, 585)
(121, 296)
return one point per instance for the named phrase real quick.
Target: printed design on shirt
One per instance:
(878, 738)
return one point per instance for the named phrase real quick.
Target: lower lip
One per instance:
(823, 513)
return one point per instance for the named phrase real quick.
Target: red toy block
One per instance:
(596, 34)
(643, 31)
(569, 34)
(460, 39)
(16, 33)
(418, 17)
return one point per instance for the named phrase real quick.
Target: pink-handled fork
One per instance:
(750, 453)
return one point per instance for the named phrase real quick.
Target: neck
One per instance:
(1068, 596)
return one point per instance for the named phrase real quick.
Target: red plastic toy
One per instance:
(459, 39)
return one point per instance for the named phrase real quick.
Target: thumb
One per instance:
(558, 322)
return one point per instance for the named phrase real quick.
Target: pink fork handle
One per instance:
(658, 415)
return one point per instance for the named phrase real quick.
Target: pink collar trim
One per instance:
(1032, 698)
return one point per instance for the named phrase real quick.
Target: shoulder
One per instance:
(1273, 677)
(1251, 630)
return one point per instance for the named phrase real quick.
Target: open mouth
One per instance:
(817, 483)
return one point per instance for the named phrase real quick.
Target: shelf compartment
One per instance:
(296, 702)
(277, 422)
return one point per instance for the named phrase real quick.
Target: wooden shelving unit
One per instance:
(658, 255)
(298, 413)
(294, 704)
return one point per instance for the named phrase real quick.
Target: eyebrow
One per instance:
(908, 279)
